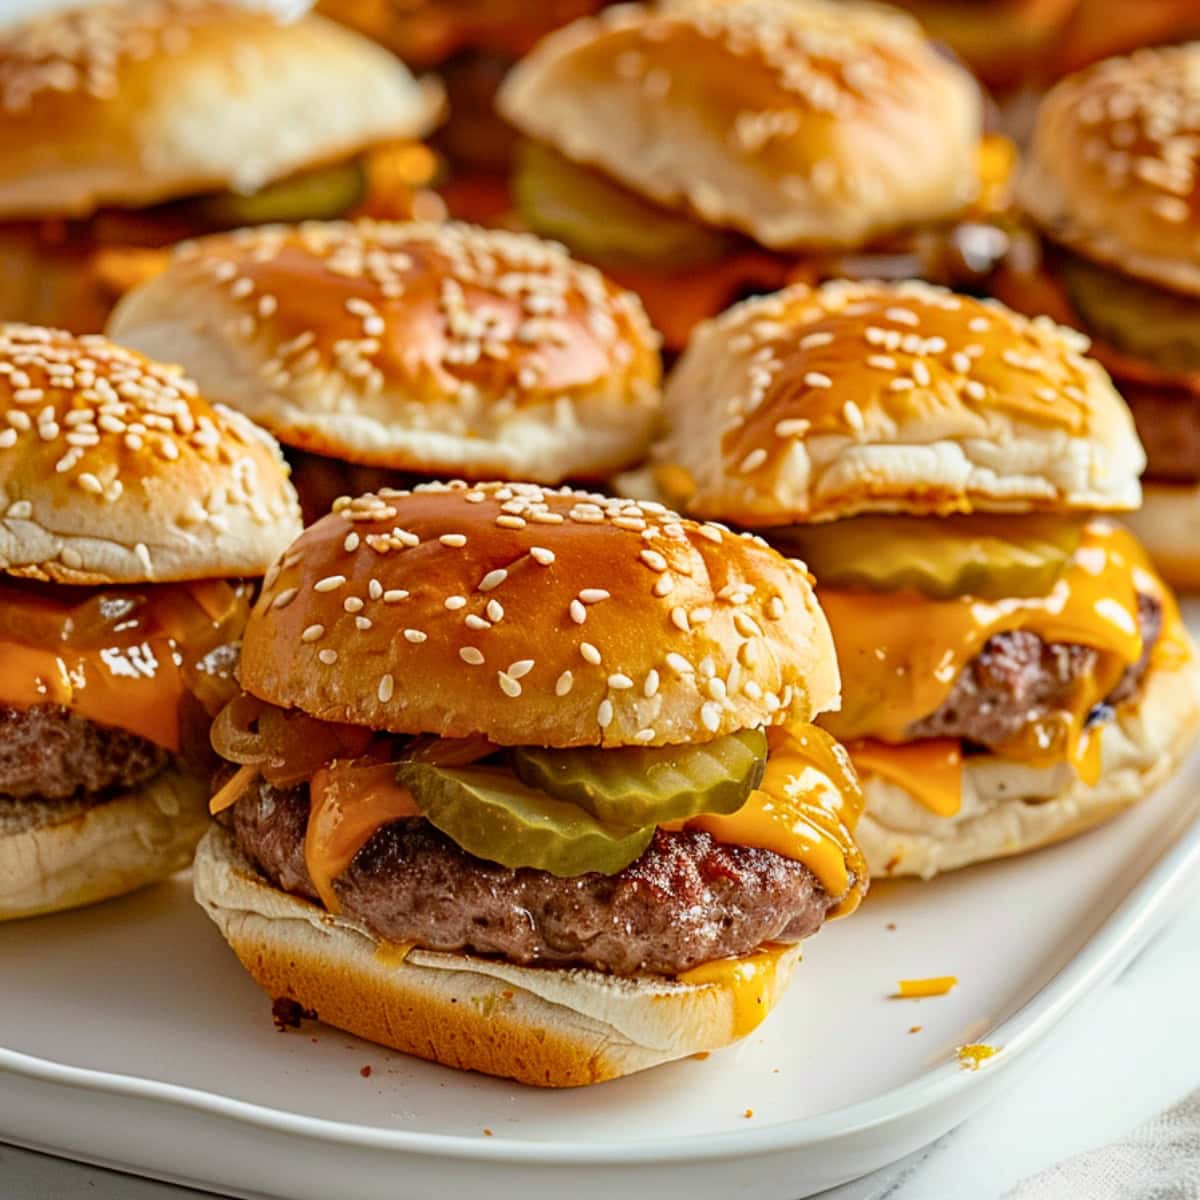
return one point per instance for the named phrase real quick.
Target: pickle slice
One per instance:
(494, 816)
(600, 220)
(990, 556)
(637, 786)
(314, 196)
(1136, 317)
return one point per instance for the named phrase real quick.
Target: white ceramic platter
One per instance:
(130, 1037)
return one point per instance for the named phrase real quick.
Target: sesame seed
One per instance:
(415, 636)
(510, 522)
(353, 604)
(792, 427)
(351, 542)
(454, 540)
(363, 623)
(604, 713)
(327, 656)
(590, 653)
(521, 668)
(753, 460)
(471, 621)
(541, 555)
(775, 608)
(329, 584)
(578, 612)
(679, 619)
(493, 579)
(508, 685)
(816, 379)
(312, 633)
(387, 686)
(495, 611)
(594, 595)
(679, 664)
(454, 603)
(564, 683)
(471, 655)
(374, 589)
(620, 682)
(650, 687)
(710, 716)
(285, 597)
(394, 595)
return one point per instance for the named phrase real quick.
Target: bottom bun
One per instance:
(1168, 525)
(1009, 807)
(539, 1025)
(60, 855)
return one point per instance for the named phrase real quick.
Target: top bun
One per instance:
(1115, 167)
(551, 618)
(441, 349)
(798, 122)
(114, 470)
(813, 404)
(131, 102)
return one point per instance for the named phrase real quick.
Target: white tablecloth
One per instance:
(1131, 1052)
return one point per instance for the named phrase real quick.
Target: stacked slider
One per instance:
(1113, 183)
(1014, 671)
(374, 348)
(523, 781)
(128, 125)
(703, 150)
(133, 518)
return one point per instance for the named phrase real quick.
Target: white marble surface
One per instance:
(1127, 1054)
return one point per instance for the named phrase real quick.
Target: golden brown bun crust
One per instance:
(798, 122)
(552, 618)
(427, 32)
(64, 855)
(538, 1025)
(130, 102)
(1010, 808)
(819, 403)
(113, 469)
(1114, 171)
(442, 349)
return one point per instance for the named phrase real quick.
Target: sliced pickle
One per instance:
(990, 556)
(494, 816)
(314, 196)
(637, 786)
(1136, 317)
(601, 220)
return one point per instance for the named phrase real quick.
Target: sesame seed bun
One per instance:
(64, 854)
(814, 404)
(551, 618)
(799, 122)
(439, 349)
(544, 1026)
(131, 102)
(113, 469)
(1010, 807)
(1112, 172)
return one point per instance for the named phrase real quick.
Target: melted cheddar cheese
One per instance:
(752, 982)
(805, 809)
(901, 657)
(121, 656)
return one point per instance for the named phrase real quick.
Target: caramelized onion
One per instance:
(447, 752)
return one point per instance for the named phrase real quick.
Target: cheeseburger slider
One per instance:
(132, 516)
(434, 349)
(130, 124)
(703, 150)
(1006, 43)
(1112, 182)
(471, 44)
(1014, 671)
(525, 782)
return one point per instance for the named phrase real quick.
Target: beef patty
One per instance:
(1018, 678)
(687, 900)
(1168, 423)
(50, 752)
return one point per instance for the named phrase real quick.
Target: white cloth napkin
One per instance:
(1159, 1160)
